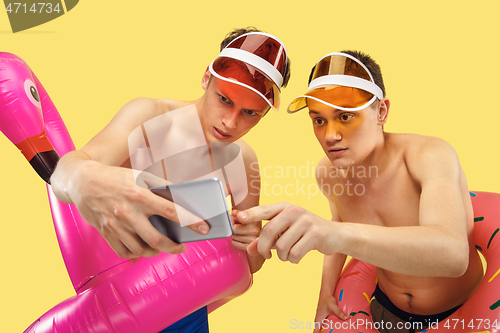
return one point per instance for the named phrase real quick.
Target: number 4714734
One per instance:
(475, 324)
(36, 8)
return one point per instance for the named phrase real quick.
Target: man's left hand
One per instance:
(291, 230)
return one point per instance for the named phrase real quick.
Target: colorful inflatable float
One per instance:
(112, 294)
(480, 314)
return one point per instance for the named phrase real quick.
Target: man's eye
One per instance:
(224, 99)
(250, 112)
(319, 121)
(346, 116)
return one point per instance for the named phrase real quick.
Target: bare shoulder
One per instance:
(249, 155)
(249, 158)
(421, 149)
(111, 145)
(144, 108)
(138, 111)
(423, 154)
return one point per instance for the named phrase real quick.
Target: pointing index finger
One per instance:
(259, 213)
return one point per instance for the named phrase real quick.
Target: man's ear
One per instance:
(205, 79)
(383, 111)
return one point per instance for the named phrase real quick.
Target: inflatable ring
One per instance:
(112, 294)
(481, 313)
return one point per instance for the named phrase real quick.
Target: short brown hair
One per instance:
(238, 32)
(368, 61)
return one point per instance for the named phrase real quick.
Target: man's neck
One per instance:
(368, 170)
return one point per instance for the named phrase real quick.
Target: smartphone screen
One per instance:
(204, 198)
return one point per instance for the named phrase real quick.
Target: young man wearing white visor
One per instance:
(241, 85)
(411, 215)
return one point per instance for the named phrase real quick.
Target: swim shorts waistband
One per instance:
(382, 298)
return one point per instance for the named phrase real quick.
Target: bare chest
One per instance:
(391, 199)
(196, 163)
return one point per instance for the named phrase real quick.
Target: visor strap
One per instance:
(347, 81)
(254, 61)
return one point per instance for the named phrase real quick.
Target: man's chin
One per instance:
(340, 162)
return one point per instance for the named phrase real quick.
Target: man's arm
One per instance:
(244, 234)
(437, 247)
(332, 264)
(108, 196)
(440, 239)
(327, 303)
(332, 268)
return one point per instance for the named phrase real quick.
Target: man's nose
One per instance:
(333, 133)
(230, 119)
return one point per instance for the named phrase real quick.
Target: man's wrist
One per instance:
(255, 262)
(73, 172)
(342, 237)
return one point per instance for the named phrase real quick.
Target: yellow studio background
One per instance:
(440, 66)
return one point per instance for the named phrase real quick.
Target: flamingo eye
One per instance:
(32, 93)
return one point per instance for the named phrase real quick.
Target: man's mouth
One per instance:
(336, 151)
(221, 134)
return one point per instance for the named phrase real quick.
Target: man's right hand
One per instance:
(327, 305)
(110, 199)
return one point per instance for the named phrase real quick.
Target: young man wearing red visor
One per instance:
(240, 85)
(398, 201)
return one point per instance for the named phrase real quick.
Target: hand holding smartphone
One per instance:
(204, 198)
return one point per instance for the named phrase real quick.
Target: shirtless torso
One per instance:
(174, 137)
(391, 198)
(98, 180)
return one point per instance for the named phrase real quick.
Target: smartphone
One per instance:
(205, 198)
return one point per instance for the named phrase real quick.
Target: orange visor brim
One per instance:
(340, 81)
(248, 76)
(338, 97)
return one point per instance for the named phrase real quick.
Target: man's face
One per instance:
(228, 111)
(347, 137)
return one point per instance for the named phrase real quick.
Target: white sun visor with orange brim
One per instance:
(254, 60)
(342, 82)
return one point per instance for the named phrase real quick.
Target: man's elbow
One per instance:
(459, 261)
